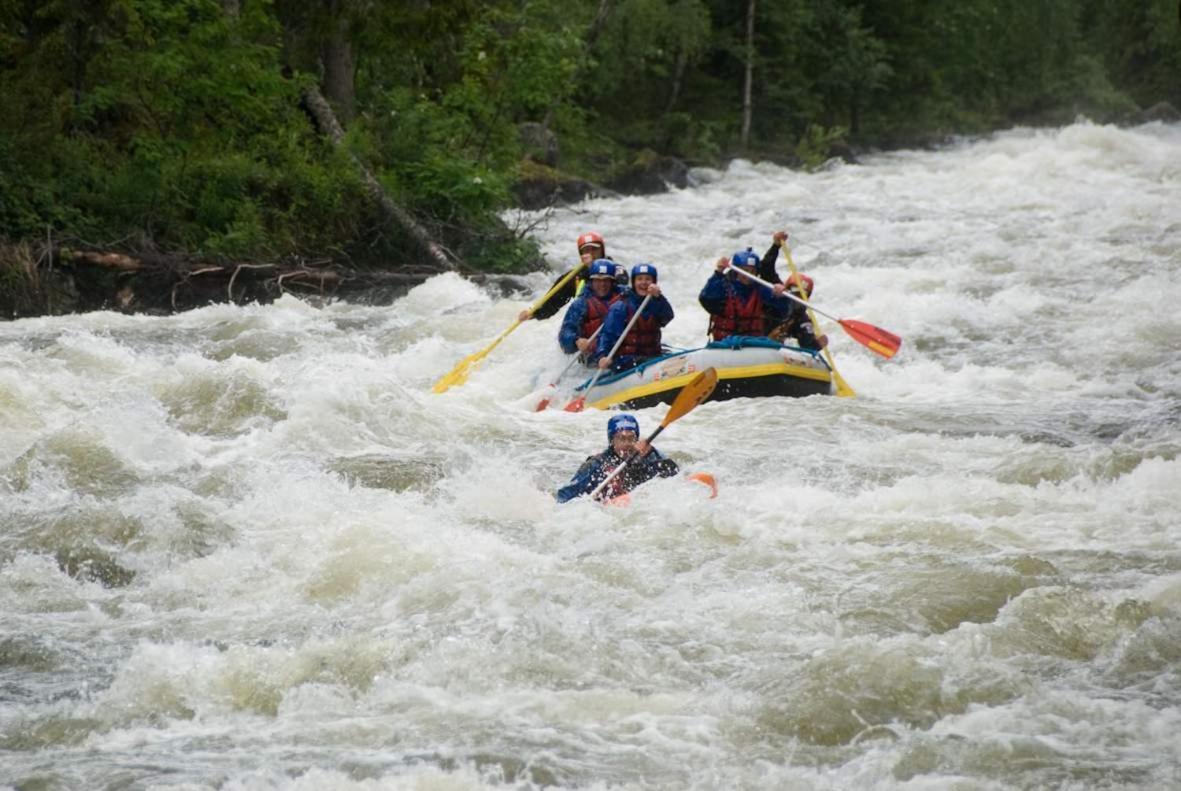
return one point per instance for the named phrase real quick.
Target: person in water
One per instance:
(797, 324)
(643, 339)
(591, 247)
(623, 440)
(738, 305)
(589, 310)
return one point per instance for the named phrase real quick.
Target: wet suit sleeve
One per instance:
(805, 333)
(654, 465)
(571, 324)
(561, 296)
(766, 268)
(796, 325)
(663, 465)
(660, 309)
(589, 475)
(777, 309)
(713, 294)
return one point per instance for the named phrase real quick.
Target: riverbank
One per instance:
(48, 277)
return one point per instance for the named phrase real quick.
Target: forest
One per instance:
(393, 136)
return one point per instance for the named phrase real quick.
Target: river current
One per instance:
(248, 548)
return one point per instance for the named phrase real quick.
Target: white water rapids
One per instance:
(248, 548)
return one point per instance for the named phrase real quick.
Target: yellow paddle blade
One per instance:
(463, 368)
(691, 395)
(459, 373)
(843, 389)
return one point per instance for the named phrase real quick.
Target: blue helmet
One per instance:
(602, 268)
(745, 257)
(644, 269)
(622, 423)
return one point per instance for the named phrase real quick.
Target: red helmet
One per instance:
(592, 238)
(794, 280)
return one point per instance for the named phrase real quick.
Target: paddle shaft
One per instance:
(615, 348)
(792, 297)
(555, 288)
(554, 384)
(577, 355)
(459, 374)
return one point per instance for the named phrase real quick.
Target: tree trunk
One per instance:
(325, 119)
(750, 67)
(598, 22)
(233, 8)
(337, 57)
(678, 77)
(79, 38)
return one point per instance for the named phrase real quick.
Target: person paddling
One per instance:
(588, 312)
(642, 341)
(739, 306)
(797, 323)
(591, 247)
(623, 437)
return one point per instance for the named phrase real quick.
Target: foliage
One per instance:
(814, 147)
(177, 124)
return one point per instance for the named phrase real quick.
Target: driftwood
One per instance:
(146, 282)
(118, 261)
(325, 119)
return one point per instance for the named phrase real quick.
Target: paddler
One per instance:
(623, 438)
(739, 306)
(588, 311)
(591, 247)
(643, 340)
(796, 324)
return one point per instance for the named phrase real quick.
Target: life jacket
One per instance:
(596, 313)
(644, 338)
(739, 317)
(608, 460)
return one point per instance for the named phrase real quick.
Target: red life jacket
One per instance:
(596, 313)
(739, 317)
(644, 338)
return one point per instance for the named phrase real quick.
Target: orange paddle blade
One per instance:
(707, 480)
(873, 338)
(577, 405)
(552, 391)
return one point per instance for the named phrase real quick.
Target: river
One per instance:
(248, 548)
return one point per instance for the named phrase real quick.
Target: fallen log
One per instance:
(148, 282)
(326, 121)
(118, 261)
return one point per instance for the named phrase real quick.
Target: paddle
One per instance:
(543, 403)
(843, 388)
(873, 338)
(459, 374)
(692, 394)
(578, 404)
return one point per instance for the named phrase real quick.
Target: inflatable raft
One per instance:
(747, 368)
